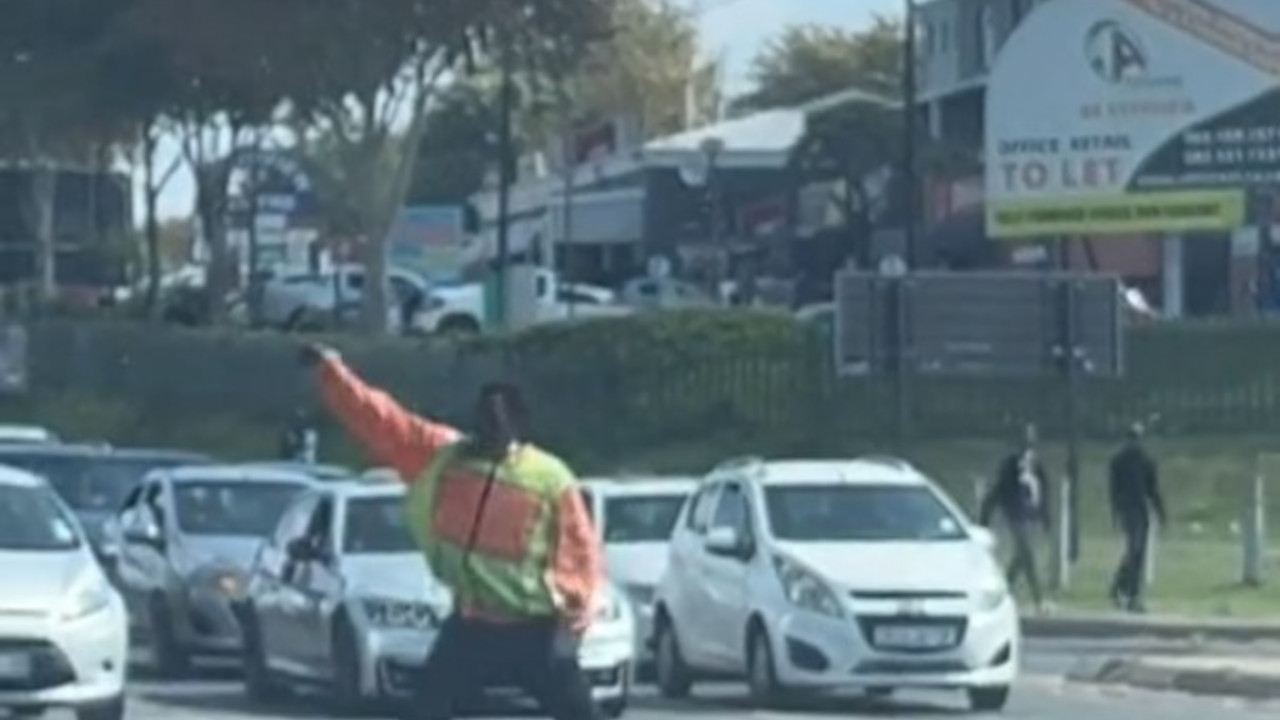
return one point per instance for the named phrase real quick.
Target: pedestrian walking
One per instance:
(1021, 493)
(503, 525)
(1135, 493)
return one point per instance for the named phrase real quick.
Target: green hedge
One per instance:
(613, 393)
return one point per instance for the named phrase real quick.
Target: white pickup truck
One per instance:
(536, 296)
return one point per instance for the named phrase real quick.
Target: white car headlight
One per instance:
(805, 589)
(991, 598)
(89, 597)
(400, 614)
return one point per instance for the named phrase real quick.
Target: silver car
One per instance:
(187, 537)
(340, 596)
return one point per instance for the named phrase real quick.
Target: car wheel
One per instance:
(112, 709)
(259, 684)
(674, 679)
(459, 326)
(28, 711)
(346, 667)
(170, 659)
(615, 708)
(988, 699)
(762, 672)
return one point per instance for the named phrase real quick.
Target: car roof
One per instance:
(13, 477)
(641, 485)
(358, 489)
(96, 451)
(21, 432)
(869, 470)
(236, 473)
(317, 472)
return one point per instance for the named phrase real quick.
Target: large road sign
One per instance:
(979, 324)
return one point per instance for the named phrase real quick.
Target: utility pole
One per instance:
(909, 179)
(506, 172)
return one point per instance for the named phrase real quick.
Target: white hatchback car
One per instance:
(63, 629)
(825, 575)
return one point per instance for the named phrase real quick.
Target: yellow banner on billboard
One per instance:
(1189, 211)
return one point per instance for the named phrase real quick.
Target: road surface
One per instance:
(1042, 694)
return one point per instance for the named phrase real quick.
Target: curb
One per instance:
(1104, 626)
(1149, 675)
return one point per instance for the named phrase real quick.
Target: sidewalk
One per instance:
(1250, 678)
(1065, 624)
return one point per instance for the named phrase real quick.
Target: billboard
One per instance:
(431, 240)
(1129, 116)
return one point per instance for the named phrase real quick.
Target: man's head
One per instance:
(1135, 433)
(502, 418)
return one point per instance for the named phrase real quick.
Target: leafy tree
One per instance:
(807, 62)
(648, 68)
(365, 99)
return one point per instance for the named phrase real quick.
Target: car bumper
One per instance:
(209, 624)
(820, 652)
(70, 664)
(394, 660)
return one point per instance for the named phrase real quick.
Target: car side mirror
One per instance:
(145, 532)
(983, 537)
(726, 542)
(302, 550)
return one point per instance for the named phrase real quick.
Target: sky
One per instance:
(732, 31)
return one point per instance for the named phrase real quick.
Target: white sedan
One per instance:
(341, 596)
(63, 636)
(823, 575)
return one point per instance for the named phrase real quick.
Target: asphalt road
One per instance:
(1042, 694)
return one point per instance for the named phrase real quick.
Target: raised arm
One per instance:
(578, 565)
(390, 434)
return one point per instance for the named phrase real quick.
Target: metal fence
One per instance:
(1193, 379)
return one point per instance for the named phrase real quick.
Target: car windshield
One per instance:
(377, 525)
(648, 518)
(32, 520)
(873, 513)
(90, 484)
(211, 507)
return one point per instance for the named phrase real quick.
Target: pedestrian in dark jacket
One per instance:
(1135, 492)
(1021, 493)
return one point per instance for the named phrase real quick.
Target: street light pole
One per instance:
(505, 180)
(910, 181)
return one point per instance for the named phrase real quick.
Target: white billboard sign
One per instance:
(1115, 116)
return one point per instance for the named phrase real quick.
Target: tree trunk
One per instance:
(44, 191)
(151, 196)
(211, 192)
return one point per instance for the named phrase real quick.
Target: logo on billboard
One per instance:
(1115, 54)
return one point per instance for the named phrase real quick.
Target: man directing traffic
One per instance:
(503, 525)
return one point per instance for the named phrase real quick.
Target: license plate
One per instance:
(14, 666)
(914, 637)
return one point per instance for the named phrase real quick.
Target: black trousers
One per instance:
(539, 656)
(1129, 579)
(1023, 562)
